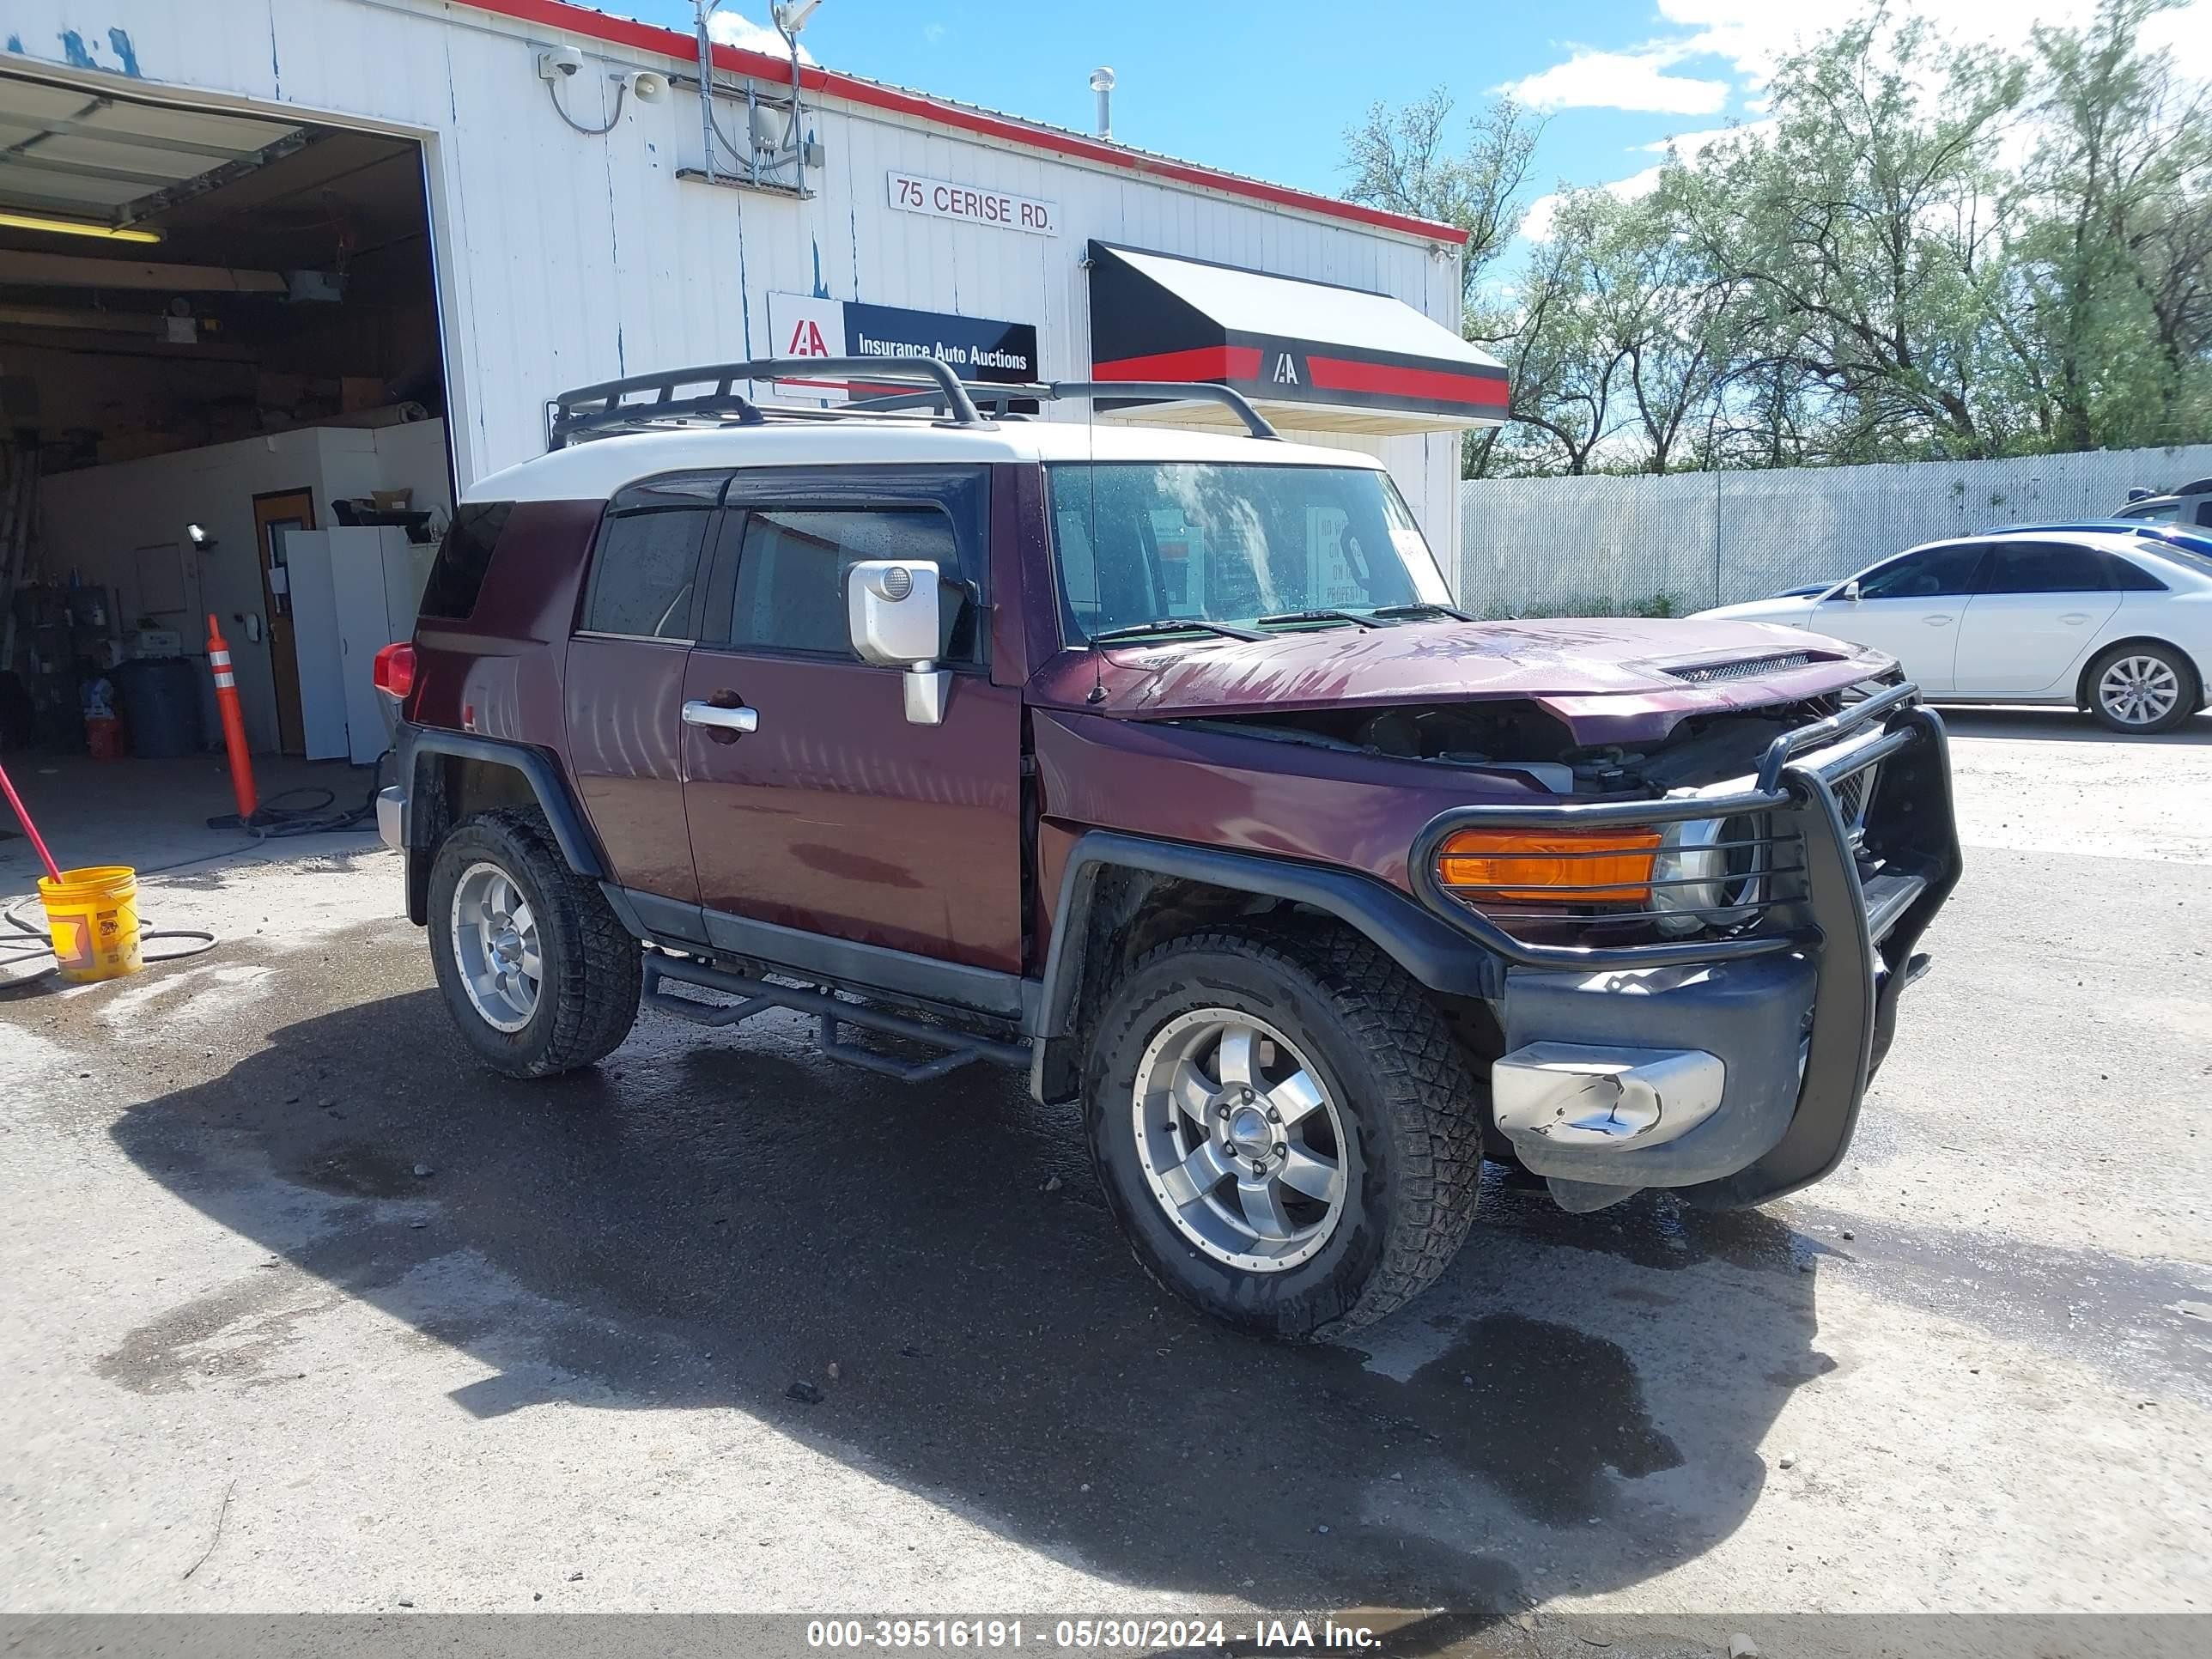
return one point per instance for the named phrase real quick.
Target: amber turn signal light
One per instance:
(1563, 866)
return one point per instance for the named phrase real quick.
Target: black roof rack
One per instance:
(996, 392)
(612, 406)
(642, 402)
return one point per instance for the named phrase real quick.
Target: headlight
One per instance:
(1706, 874)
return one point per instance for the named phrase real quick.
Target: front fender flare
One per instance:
(1437, 955)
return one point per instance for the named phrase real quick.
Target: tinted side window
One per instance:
(645, 572)
(2129, 578)
(1932, 573)
(2046, 568)
(790, 574)
(457, 575)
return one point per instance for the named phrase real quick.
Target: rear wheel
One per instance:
(539, 974)
(2142, 688)
(1284, 1127)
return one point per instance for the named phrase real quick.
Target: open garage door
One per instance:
(218, 341)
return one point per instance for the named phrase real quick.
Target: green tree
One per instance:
(2121, 222)
(1404, 161)
(1564, 370)
(1863, 239)
(1925, 249)
(1611, 340)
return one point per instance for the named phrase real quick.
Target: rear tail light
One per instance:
(394, 673)
(1561, 866)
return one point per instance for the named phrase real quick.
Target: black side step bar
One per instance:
(757, 996)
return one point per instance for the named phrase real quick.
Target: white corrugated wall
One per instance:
(565, 259)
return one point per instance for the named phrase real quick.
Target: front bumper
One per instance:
(1732, 1068)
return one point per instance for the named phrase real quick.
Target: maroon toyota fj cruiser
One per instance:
(1158, 762)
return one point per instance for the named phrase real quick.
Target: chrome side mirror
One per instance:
(894, 612)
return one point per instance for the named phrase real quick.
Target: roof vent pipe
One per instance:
(1101, 82)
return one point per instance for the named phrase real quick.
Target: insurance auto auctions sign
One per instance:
(940, 198)
(976, 348)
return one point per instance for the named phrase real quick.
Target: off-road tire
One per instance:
(1414, 1166)
(588, 1000)
(2190, 689)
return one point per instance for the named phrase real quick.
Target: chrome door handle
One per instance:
(1937, 622)
(740, 719)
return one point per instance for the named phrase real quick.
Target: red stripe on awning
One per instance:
(1199, 363)
(1390, 379)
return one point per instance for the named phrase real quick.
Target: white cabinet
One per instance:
(354, 591)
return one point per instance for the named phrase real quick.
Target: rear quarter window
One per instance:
(645, 576)
(457, 575)
(2130, 578)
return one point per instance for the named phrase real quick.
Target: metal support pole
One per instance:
(704, 9)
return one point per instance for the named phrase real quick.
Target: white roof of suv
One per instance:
(596, 469)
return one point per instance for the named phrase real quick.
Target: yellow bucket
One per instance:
(92, 915)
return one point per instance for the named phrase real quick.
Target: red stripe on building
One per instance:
(1428, 385)
(671, 43)
(1199, 363)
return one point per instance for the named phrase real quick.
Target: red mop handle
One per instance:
(29, 827)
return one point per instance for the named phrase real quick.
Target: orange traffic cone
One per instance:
(234, 722)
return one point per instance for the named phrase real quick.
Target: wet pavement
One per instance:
(453, 1337)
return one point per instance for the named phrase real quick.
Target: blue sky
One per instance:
(1267, 89)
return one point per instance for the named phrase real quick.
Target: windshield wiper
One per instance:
(1423, 609)
(1175, 625)
(1324, 614)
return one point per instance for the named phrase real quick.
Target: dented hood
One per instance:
(1608, 679)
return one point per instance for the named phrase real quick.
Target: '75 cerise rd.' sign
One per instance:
(940, 198)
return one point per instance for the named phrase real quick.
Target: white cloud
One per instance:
(1537, 222)
(1634, 80)
(1752, 34)
(933, 32)
(1743, 40)
(728, 28)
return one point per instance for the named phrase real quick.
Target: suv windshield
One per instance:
(1140, 542)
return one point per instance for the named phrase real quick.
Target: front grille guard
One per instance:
(1798, 804)
(1860, 952)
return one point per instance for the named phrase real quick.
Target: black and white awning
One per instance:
(1311, 354)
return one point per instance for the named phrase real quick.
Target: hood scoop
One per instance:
(1745, 668)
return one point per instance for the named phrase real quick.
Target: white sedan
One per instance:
(2114, 619)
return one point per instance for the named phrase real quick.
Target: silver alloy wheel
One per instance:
(1239, 1140)
(496, 946)
(2139, 690)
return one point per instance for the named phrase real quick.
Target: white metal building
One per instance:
(277, 152)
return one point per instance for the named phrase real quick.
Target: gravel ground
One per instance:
(305, 1312)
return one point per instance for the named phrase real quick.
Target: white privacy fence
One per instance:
(1689, 539)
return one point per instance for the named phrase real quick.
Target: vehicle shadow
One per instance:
(704, 1222)
(2056, 725)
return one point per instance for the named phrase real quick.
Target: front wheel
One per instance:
(540, 975)
(1284, 1127)
(2141, 690)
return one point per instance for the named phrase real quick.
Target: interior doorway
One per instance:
(216, 327)
(273, 515)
